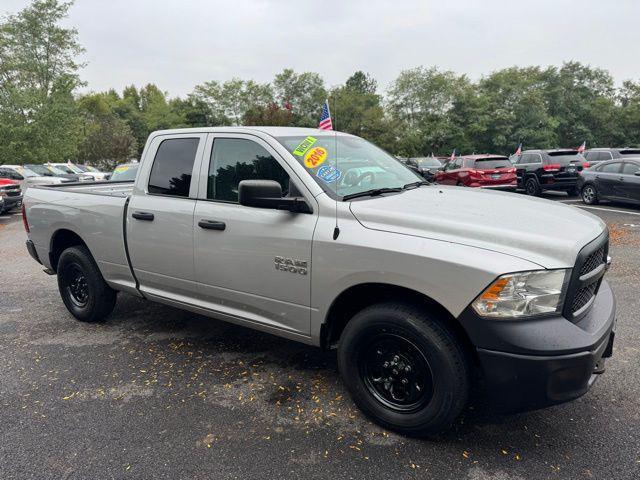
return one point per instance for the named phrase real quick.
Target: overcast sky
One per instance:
(178, 43)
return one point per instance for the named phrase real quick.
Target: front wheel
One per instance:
(589, 194)
(404, 369)
(82, 288)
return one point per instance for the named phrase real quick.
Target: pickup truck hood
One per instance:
(547, 233)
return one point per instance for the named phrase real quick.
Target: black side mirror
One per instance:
(268, 194)
(637, 174)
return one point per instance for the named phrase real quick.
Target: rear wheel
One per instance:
(589, 194)
(404, 369)
(532, 187)
(82, 288)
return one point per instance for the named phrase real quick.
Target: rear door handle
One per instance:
(143, 216)
(212, 225)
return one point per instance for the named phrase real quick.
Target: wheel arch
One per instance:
(62, 239)
(356, 297)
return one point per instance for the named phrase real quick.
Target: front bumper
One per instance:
(529, 364)
(11, 202)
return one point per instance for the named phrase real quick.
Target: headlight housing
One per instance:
(524, 294)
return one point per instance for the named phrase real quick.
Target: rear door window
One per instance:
(173, 166)
(630, 168)
(613, 167)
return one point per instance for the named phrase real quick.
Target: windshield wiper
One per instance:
(371, 193)
(417, 184)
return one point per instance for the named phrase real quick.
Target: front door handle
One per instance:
(143, 216)
(212, 225)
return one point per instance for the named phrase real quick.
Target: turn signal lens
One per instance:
(524, 294)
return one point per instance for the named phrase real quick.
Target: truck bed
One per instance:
(95, 212)
(112, 189)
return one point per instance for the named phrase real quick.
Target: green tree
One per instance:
(38, 75)
(107, 139)
(629, 113)
(420, 100)
(230, 101)
(303, 94)
(272, 115)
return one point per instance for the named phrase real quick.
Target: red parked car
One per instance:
(485, 171)
(10, 194)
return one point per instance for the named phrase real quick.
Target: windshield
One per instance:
(62, 168)
(124, 173)
(491, 163)
(566, 157)
(25, 172)
(41, 170)
(358, 167)
(428, 162)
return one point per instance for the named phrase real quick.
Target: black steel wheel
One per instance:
(82, 288)
(404, 368)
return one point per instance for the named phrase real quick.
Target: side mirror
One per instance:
(637, 174)
(268, 194)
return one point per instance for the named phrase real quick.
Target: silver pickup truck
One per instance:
(323, 238)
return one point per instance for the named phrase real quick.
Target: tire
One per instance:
(82, 288)
(573, 192)
(532, 187)
(377, 346)
(589, 194)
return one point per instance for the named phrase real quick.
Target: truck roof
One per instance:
(273, 131)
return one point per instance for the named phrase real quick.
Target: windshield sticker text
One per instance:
(305, 145)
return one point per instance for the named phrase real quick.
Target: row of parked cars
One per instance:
(598, 174)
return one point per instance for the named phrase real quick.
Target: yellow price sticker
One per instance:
(315, 157)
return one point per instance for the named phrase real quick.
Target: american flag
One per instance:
(453, 155)
(325, 118)
(582, 147)
(519, 149)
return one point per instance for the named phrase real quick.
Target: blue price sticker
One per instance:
(329, 173)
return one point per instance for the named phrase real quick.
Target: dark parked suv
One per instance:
(598, 155)
(539, 170)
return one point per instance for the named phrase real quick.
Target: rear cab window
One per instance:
(173, 167)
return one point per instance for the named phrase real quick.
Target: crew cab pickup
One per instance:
(323, 238)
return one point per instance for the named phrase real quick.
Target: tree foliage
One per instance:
(425, 110)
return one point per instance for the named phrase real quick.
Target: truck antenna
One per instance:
(336, 230)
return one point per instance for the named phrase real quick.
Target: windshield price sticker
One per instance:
(329, 173)
(305, 145)
(121, 169)
(315, 157)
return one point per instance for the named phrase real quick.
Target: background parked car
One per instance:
(557, 169)
(11, 194)
(124, 172)
(98, 176)
(26, 177)
(598, 155)
(486, 171)
(50, 171)
(71, 169)
(617, 180)
(425, 166)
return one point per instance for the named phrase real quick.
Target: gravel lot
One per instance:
(161, 393)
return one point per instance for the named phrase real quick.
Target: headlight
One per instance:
(524, 294)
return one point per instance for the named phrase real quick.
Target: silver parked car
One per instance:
(323, 238)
